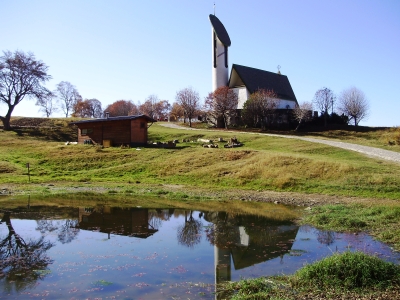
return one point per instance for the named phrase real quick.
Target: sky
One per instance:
(129, 49)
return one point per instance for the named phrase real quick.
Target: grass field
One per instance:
(263, 163)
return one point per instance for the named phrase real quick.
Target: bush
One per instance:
(349, 271)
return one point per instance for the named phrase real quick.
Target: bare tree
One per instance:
(67, 95)
(21, 75)
(221, 104)
(303, 112)
(150, 107)
(46, 104)
(190, 101)
(354, 104)
(259, 109)
(324, 100)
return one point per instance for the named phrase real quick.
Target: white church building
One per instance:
(245, 80)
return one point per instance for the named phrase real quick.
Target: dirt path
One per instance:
(366, 150)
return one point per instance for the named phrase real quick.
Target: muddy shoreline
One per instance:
(287, 198)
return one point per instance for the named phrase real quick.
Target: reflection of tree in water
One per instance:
(326, 237)
(22, 262)
(223, 233)
(189, 234)
(67, 230)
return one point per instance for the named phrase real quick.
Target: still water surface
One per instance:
(139, 253)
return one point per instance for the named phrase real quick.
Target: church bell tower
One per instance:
(220, 44)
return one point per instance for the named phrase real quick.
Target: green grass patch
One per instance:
(348, 271)
(348, 275)
(381, 220)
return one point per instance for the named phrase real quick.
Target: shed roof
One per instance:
(256, 79)
(120, 118)
(220, 31)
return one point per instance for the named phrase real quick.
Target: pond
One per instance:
(107, 252)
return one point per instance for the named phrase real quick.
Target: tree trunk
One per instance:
(298, 126)
(225, 123)
(6, 118)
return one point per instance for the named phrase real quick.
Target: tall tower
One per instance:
(220, 44)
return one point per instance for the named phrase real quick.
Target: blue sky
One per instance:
(128, 49)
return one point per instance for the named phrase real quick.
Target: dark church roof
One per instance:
(220, 31)
(256, 79)
(120, 118)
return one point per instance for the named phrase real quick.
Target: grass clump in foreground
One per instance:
(352, 275)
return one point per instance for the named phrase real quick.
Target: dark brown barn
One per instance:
(114, 131)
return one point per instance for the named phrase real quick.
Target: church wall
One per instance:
(243, 95)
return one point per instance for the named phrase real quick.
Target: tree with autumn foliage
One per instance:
(177, 112)
(149, 107)
(221, 105)
(88, 108)
(189, 100)
(155, 108)
(122, 108)
(259, 109)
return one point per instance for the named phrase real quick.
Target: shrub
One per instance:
(348, 270)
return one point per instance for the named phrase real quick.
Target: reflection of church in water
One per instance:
(240, 240)
(246, 241)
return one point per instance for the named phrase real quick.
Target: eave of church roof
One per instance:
(256, 79)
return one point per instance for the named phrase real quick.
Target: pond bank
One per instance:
(186, 192)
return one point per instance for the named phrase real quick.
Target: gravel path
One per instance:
(369, 151)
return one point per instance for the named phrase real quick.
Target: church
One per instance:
(245, 80)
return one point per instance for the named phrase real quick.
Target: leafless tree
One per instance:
(221, 104)
(324, 100)
(260, 108)
(303, 112)
(21, 75)
(150, 107)
(354, 104)
(46, 104)
(190, 101)
(67, 95)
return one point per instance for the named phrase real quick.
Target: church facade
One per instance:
(246, 80)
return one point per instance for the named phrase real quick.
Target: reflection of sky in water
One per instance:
(92, 265)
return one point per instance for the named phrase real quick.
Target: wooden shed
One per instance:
(114, 131)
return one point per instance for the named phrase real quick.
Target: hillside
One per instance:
(264, 163)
